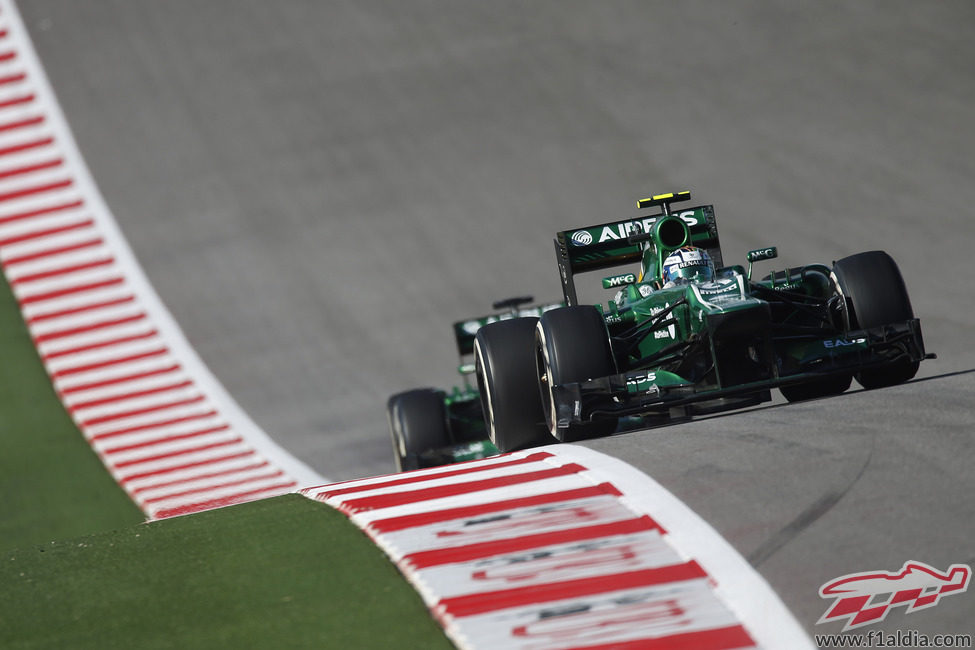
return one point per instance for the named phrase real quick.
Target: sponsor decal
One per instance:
(573, 561)
(866, 598)
(609, 620)
(624, 229)
(762, 254)
(714, 290)
(645, 382)
(619, 280)
(683, 258)
(722, 291)
(581, 238)
(671, 331)
(841, 343)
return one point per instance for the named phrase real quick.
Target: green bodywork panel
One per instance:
(682, 310)
(465, 330)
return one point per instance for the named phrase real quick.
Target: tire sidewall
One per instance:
(417, 423)
(572, 345)
(875, 295)
(506, 378)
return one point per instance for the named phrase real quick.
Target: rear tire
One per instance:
(418, 423)
(505, 361)
(572, 345)
(875, 295)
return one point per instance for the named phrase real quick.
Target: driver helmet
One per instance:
(688, 264)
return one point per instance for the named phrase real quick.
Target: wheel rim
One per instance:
(484, 388)
(848, 325)
(544, 371)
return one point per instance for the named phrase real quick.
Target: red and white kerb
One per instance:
(563, 547)
(163, 426)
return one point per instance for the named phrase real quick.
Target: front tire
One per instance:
(572, 345)
(875, 294)
(418, 423)
(825, 387)
(505, 362)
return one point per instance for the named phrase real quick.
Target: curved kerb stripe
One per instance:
(564, 547)
(161, 423)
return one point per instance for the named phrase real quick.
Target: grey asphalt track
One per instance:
(317, 189)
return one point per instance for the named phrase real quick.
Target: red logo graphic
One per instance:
(865, 598)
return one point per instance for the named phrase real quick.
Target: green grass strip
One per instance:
(52, 484)
(281, 573)
(286, 572)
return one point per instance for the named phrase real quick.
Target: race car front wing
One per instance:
(648, 391)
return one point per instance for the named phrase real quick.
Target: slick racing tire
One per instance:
(572, 345)
(418, 423)
(817, 388)
(505, 362)
(875, 295)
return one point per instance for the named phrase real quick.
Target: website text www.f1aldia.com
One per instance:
(896, 639)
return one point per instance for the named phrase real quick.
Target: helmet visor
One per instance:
(691, 273)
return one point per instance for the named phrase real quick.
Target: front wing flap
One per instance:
(458, 453)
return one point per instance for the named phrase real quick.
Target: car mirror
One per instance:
(760, 254)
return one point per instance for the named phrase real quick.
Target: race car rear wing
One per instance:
(608, 244)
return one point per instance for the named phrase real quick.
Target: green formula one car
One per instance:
(687, 335)
(433, 427)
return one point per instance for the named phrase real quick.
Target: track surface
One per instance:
(318, 189)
